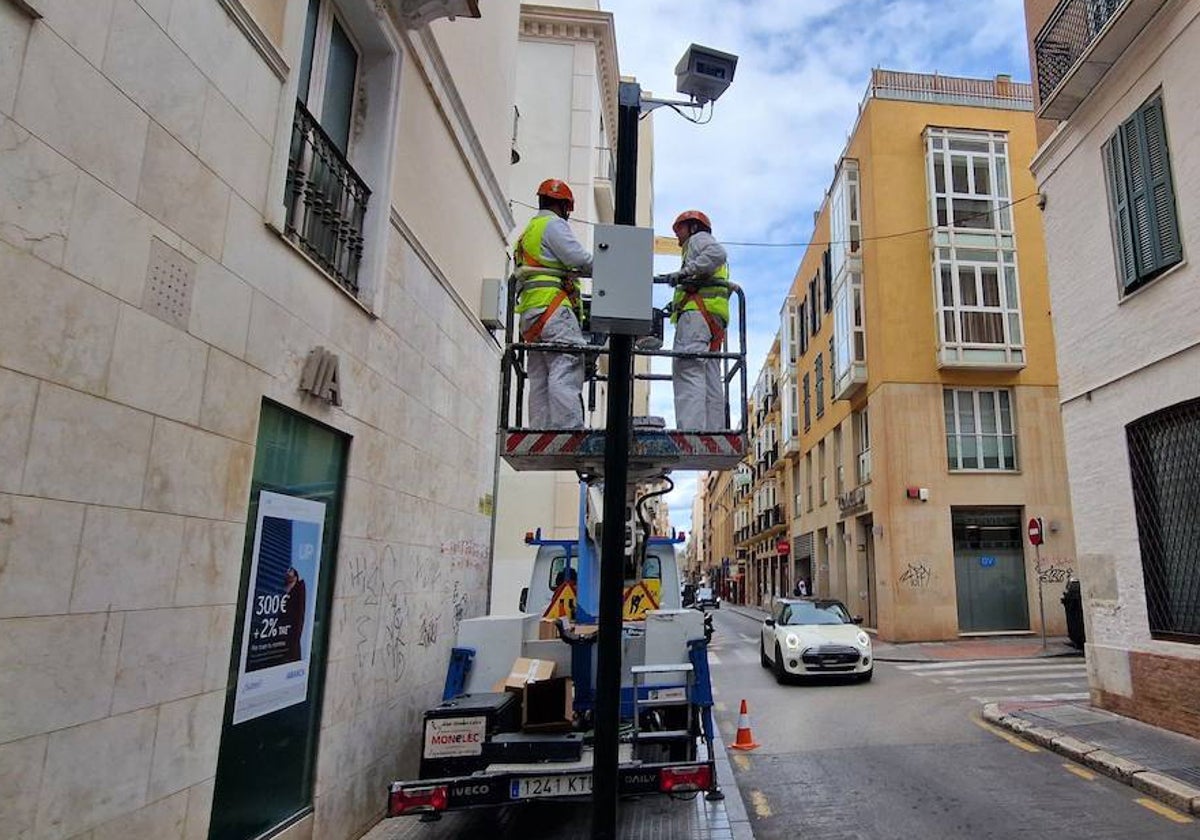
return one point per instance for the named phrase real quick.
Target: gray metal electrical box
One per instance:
(493, 304)
(623, 280)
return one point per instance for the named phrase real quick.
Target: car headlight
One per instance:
(864, 640)
(792, 640)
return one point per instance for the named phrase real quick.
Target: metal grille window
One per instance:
(1164, 459)
(1141, 195)
(325, 198)
(980, 434)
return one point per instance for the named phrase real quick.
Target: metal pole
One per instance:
(1041, 601)
(616, 471)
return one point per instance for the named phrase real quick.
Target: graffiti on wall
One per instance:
(917, 576)
(1055, 570)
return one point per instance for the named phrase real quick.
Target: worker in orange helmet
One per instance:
(548, 259)
(700, 312)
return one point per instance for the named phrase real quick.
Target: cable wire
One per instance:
(810, 243)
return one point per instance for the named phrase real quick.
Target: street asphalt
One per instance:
(909, 755)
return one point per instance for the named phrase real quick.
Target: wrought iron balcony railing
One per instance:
(326, 201)
(1078, 43)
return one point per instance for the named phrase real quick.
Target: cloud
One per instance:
(761, 167)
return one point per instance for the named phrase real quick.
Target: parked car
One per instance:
(814, 636)
(705, 598)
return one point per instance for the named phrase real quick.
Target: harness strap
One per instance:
(715, 327)
(535, 329)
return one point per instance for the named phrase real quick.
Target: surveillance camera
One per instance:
(704, 73)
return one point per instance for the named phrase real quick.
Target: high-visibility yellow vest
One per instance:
(715, 294)
(538, 290)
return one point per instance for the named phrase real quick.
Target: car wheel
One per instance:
(780, 674)
(865, 676)
(762, 654)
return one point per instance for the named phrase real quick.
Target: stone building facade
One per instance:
(242, 245)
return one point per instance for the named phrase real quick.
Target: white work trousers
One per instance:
(699, 394)
(555, 379)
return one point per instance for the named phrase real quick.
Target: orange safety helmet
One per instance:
(556, 189)
(691, 216)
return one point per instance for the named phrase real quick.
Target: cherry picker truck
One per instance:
(506, 731)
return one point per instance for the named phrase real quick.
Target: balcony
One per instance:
(326, 202)
(1079, 42)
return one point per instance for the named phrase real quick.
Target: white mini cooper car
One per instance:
(814, 637)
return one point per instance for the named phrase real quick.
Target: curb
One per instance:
(1179, 795)
(735, 806)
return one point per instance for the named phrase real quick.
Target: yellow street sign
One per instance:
(562, 605)
(637, 602)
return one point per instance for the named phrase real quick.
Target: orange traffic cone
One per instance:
(744, 739)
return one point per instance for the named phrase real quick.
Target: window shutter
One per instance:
(827, 270)
(1165, 228)
(1132, 144)
(1114, 160)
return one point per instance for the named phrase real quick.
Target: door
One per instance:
(268, 749)
(867, 545)
(989, 570)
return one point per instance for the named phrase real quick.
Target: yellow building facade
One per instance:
(917, 413)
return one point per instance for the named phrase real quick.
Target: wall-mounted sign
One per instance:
(783, 547)
(320, 376)
(280, 605)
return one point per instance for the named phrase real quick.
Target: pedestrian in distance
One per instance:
(549, 258)
(700, 312)
(801, 588)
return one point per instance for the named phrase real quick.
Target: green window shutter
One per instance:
(1114, 161)
(1168, 248)
(1140, 215)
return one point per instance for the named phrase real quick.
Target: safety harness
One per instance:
(715, 328)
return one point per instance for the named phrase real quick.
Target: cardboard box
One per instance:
(548, 629)
(525, 670)
(548, 705)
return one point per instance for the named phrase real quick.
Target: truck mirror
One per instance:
(524, 598)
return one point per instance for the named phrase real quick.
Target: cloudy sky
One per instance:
(761, 167)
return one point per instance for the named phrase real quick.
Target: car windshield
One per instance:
(815, 612)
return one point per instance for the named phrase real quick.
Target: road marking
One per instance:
(746, 638)
(742, 761)
(963, 663)
(1000, 733)
(1076, 695)
(1164, 810)
(758, 800)
(1087, 775)
(985, 671)
(1043, 676)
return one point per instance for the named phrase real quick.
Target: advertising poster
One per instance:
(280, 605)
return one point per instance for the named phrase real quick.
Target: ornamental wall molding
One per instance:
(549, 23)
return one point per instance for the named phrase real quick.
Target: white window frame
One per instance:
(956, 399)
(977, 249)
(862, 434)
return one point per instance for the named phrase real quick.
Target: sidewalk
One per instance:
(646, 818)
(1158, 762)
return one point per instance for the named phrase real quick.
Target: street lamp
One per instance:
(703, 74)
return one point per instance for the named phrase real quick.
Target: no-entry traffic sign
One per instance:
(1036, 531)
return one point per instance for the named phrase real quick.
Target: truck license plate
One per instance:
(532, 787)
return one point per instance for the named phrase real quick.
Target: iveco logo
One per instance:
(471, 790)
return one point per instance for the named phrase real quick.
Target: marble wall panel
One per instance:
(183, 193)
(154, 72)
(39, 541)
(197, 473)
(20, 777)
(220, 308)
(211, 564)
(51, 325)
(77, 439)
(18, 395)
(37, 189)
(186, 743)
(162, 657)
(233, 392)
(117, 750)
(14, 31)
(68, 104)
(128, 560)
(235, 151)
(156, 367)
(161, 820)
(56, 671)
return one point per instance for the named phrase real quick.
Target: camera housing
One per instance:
(704, 73)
